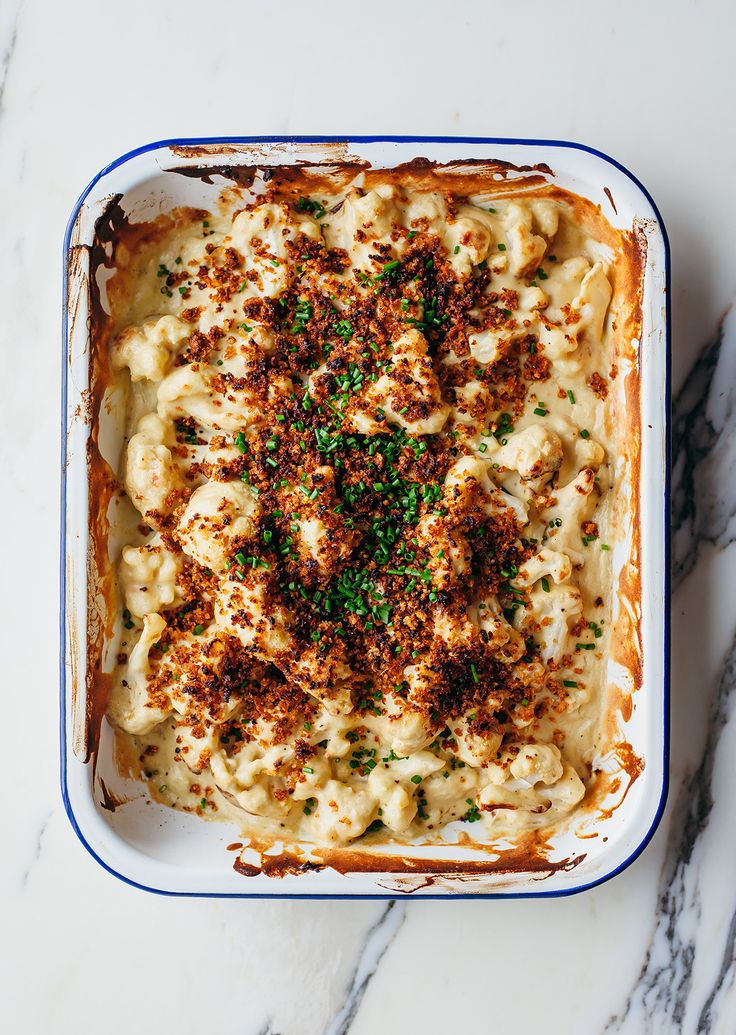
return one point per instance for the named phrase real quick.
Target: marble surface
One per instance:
(653, 85)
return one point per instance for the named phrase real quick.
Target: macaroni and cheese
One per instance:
(368, 461)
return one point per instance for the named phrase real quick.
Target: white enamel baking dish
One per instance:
(161, 850)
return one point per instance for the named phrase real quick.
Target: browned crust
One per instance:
(527, 856)
(463, 178)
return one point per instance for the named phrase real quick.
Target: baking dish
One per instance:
(162, 850)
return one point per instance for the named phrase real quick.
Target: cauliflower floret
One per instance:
(343, 812)
(363, 219)
(402, 726)
(244, 356)
(507, 642)
(558, 341)
(473, 749)
(545, 562)
(246, 610)
(430, 208)
(546, 217)
(323, 675)
(526, 248)
(472, 402)
(488, 342)
(398, 805)
(148, 577)
(197, 742)
(409, 394)
(219, 518)
(266, 798)
(376, 211)
(592, 302)
(485, 345)
(446, 793)
(130, 705)
(319, 534)
(190, 392)
(574, 504)
(262, 234)
(186, 392)
(257, 758)
(567, 320)
(450, 551)
(588, 452)
(468, 241)
(567, 791)
(537, 763)
(468, 480)
(542, 799)
(312, 779)
(152, 478)
(533, 452)
(147, 350)
(554, 610)
(410, 772)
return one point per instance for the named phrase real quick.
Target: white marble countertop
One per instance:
(651, 84)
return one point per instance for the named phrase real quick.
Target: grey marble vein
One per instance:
(379, 938)
(703, 510)
(37, 848)
(724, 979)
(663, 988)
(8, 39)
(704, 452)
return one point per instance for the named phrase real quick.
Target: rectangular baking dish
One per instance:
(161, 850)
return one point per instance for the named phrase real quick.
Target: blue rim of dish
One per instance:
(199, 141)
